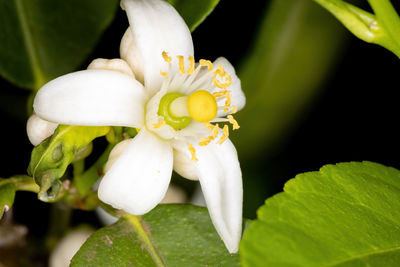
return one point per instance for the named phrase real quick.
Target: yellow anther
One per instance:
(215, 131)
(234, 109)
(220, 93)
(202, 106)
(206, 63)
(181, 64)
(209, 125)
(220, 70)
(234, 123)
(163, 73)
(204, 141)
(226, 83)
(190, 70)
(226, 108)
(159, 125)
(192, 152)
(228, 97)
(166, 57)
(225, 135)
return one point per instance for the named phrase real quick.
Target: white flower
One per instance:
(173, 101)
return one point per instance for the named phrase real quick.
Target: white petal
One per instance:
(221, 182)
(139, 178)
(238, 98)
(39, 129)
(116, 152)
(115, 64)
(156, 27)
(183, 164)
(92, 98)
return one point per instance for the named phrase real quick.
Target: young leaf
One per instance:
(170, 235)
(43, 39)
(50, 159)
(7, 194)
(194, 11)
(343, 215)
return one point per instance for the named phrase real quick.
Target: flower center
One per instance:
(178, 110)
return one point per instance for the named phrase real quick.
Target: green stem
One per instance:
(389, 18)
(21, 183)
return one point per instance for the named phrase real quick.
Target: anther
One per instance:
(234, 123)
(228, 97)
(222, 74)
(220, 93)
(181, 64)
(206, 63)
(209, 125)
(166, 57)
(234, 109)
(225, 135)
(215, 131)
(192, 152)
(159, 125)
(190, 70)
(164, 74)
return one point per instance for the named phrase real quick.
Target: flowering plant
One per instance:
(118, 137)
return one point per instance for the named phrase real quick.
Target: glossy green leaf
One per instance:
(7, 195)
(343, 215)
(296, 47)
(194, 11)
(50, 159)
(43, 39)
(169, 235)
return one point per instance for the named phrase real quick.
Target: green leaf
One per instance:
(296, 48)
(43, 39)
(343, 215)
(7, 195)
(50, 159)
(170, 235)
(194, 11)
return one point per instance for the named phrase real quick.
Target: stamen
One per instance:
(164, 74)
(225, 135)
(181, 64)
(215, 131)
(166, 57)
(159, 125)
(209, 125)
(234, 123)
(228, 98)
(206, 63)
(226, 108)
(204, 141)
(234, 109)
(190, 70)
(220, 93)
(192, 152)
(222, 74)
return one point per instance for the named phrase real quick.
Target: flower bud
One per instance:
(39, 129)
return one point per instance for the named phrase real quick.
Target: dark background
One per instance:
(353, 118)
